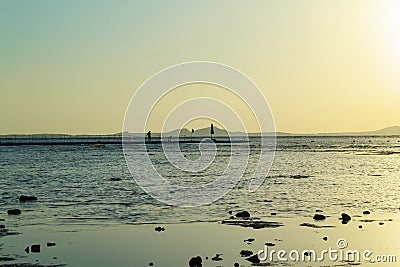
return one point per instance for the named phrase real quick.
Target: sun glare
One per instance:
(393, 22)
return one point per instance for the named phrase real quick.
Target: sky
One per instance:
(323, 66)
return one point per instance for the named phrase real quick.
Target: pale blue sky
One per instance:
(72, 66)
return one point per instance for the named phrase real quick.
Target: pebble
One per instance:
(319, 217)
(14, 212)
(35, 248)
(243, 214)
(196, 262)
(25, 198)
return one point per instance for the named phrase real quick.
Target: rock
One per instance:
(159, 229)
(249, 240)
(14, 212)
(381, 223)
(27, 249)
(196, 262)
(360, 226)
(2, 258)
(253, 224)
(246, 253)
(325, 238)
(151, 264)
(217, 257)
(316, 226)
(113, 179)
(243, 214)
(318, 210)
(25, 198)
(51, 244)
(236, 264)
(319, 217)
(253, 259)
(230, 212)
(35, 248)
(268, 244)
(345, 218)
(366, 212)
(2, 226)
(273, 213)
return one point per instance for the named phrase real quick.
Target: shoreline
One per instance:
(217, 244)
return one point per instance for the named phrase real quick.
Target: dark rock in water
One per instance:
(51, 244)
(217, 257)
(14, 212)
(159, 229)
(253, 224)
(2, 226)
(35, 248)
(381, 223)
(236, 264)
(345, 218)
(27, 249)
(299, 176)
(360, 226)
(246, 253)
(273, 213)
(196, 262)
(311, 225)
(268, 244)
(243, 214)
(325, 238)
(230, 212)
(366, 212)
(319, 211)
(113, 179)
(253, 259)
(151, 264)
(25, 198)
(6, 259)
(319, 217)
(249, 240)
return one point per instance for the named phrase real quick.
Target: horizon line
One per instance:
(397, 127)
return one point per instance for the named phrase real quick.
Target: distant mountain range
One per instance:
(204, 132)
(393, 130)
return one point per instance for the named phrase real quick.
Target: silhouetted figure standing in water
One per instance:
(149, 136)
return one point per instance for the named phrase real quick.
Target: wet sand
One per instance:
(141, 245)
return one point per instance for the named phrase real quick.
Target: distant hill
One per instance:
(198, 132)
(205, 132)
(393, 130)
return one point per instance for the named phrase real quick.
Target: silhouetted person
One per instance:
(149, 136)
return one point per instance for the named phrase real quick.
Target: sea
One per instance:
(92, 184)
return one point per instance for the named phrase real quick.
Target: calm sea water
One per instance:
(92, 185)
